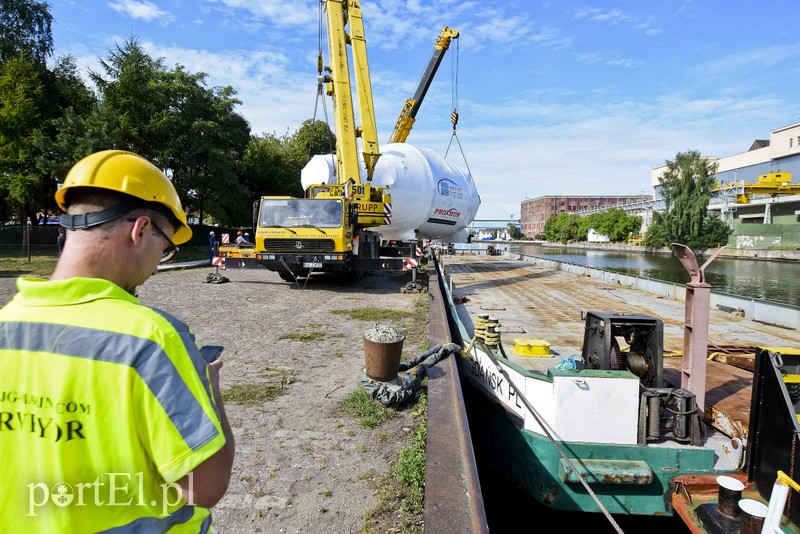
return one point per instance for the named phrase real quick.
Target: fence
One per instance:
(18, 241)
(22, 241)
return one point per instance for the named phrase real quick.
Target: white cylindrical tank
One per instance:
(428, 193)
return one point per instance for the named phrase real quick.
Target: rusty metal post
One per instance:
(695, 324)
(27, 238)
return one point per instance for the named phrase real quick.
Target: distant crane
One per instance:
(409, 112)
(773, 184)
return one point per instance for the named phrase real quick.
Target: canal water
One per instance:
(776, 281)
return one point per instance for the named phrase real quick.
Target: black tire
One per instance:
(286, 277)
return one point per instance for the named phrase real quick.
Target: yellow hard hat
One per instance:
(129, 173)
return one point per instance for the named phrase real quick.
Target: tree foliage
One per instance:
(273, 164)
(614, 223)
(49, 119)
(133, 88)
(25, 27)
(686, 189)
(33, 101)
(514, 231)
(21, 104)
(563, 228)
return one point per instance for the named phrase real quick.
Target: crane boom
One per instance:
(409, 112)
(339, 15)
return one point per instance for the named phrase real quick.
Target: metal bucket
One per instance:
(752, 514)
(729, 495)
(383, 347)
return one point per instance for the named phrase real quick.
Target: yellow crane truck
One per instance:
(329, 229)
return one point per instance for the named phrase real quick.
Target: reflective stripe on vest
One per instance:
(160, 524)
(148, 359)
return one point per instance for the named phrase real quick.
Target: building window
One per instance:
(790, 142)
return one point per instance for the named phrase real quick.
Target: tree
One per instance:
(190, 131)
(564, 227)
(21, 103)
(617, 224)
(74, 126)
(68, 88)
(206, 150)
(134, 98)
(26, 41)
(686, 190)
(513, 231)
(70, 138)
(25, 27)
(273, 164)
(313, 138)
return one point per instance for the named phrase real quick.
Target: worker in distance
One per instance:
(110, 419)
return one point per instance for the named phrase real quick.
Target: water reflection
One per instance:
(757, 279)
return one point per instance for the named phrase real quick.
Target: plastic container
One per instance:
(383, 347)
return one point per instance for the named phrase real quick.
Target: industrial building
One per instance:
(535, 212)
(758, 191)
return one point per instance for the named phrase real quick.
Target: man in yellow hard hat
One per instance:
(110, 418)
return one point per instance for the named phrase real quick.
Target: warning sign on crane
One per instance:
(226, 238)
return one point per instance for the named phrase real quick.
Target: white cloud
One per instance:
(277, 12)
(141, 10)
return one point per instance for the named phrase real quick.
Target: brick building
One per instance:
(535, 212)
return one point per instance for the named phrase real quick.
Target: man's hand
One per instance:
(210, 479)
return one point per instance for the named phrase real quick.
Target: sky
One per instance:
(554, 97)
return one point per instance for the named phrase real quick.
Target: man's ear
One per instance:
(137, 230)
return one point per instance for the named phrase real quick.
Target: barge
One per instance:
(591, 399)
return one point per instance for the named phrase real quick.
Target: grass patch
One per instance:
(370, 413)
(37, 266)
(283, 375)
(252, 394)
(404, 487)
(303, 336)
(410, 467)
(375, 314)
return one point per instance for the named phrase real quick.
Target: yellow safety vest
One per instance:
(104, 405)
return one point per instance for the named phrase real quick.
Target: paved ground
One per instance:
(301, 465)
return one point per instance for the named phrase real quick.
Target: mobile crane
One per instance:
(329, 229)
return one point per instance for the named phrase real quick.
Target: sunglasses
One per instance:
(171, 248)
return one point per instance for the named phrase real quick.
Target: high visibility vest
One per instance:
(104, 405)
